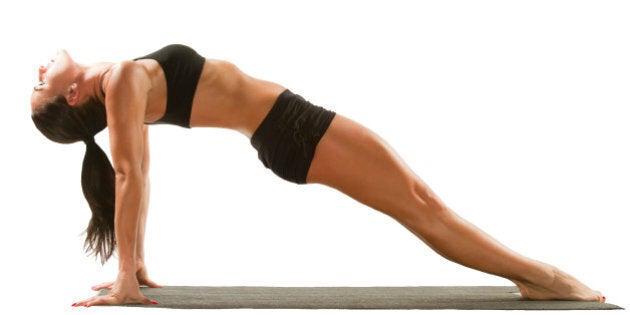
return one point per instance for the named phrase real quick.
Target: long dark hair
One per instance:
(62, 123)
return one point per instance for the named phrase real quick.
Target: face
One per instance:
(54, 78)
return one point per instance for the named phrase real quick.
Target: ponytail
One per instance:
(63, 123)
(98, 184)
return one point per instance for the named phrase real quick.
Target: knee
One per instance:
(424, 209)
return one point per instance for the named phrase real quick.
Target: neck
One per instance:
(91, 78)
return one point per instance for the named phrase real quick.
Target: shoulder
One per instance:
(126, 90)
(125, 75)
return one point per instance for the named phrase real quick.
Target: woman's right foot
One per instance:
(558, 286)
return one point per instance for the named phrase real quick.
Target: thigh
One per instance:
(357, 162)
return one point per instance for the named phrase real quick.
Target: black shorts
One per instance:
(286, 139)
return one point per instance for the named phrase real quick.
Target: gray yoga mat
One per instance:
(463, 298)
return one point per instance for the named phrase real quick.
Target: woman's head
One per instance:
(58, 114)
(60, 111)
(59, 77)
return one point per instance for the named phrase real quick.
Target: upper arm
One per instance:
(126, 102)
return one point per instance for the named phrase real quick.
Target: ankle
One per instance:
(540, 274)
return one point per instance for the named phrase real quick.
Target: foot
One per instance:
(558, 286)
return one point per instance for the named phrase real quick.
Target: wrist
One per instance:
(126, 276)
(127, 267)
(140, 265)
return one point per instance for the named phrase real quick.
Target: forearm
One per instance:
(129, 189)
(144, 207)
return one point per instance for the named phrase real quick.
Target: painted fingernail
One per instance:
(154, 302)
(74, 304)
(604, 298)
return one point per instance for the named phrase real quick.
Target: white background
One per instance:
(515, 112)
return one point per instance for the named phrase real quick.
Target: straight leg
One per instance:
(355, 161)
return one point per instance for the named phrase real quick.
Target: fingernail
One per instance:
(604, 298)
(154, 302)
(74, 304)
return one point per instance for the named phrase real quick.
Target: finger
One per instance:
(83, 303)
(80, 303)
(104, 285)
(152, 284)
(103, 300)
(147, 300)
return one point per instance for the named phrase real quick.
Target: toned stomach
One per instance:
(228, 98)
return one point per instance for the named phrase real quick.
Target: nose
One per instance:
(41, 71)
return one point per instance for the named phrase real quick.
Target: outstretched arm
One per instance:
(141, 270)
(126, 101)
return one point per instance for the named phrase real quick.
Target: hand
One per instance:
(125, 290)
(141, 275)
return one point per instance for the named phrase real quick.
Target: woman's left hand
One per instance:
(143, 277)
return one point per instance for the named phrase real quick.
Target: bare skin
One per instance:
(355, 161)
(349, 158)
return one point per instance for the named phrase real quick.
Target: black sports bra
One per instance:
(182, 68)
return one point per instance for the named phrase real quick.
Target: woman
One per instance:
(298, 141)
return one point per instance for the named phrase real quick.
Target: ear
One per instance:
(72, 96)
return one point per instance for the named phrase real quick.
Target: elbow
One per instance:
(126, 175)
(129, 182)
